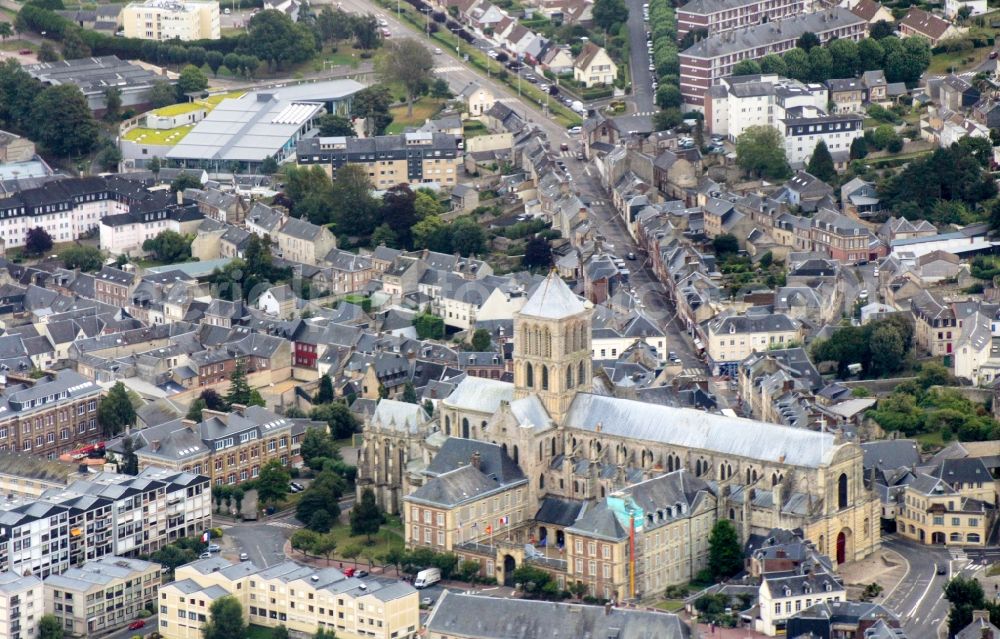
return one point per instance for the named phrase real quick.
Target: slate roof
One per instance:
(696, 429)
(552, 299)
(494, 463)
(461, 615)
(891, 453)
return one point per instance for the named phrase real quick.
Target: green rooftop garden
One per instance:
(169, 137)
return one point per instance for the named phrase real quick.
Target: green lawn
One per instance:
(175, 135)
(931, 439)
(390, 536)
(423, 109)
(17, 45)
(670, 605)
(955, 60)
(344, 57)
(259, 632)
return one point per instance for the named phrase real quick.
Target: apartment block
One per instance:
(301, 598)
(935, 513)
(22, 604)
(228, 447)
(49, 415)
(101, 595)
(104, 514)
(163, 20)
(408, 158)
(720, 16)
(705, 63)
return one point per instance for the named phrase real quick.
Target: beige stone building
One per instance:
(22, 604)
(163, 20)
(954, 504)
(102, 595)
(301, 598)
(301, 241)
(731, 338)
(590, 456)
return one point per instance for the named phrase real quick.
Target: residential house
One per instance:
(594, 66)
(918, 22)
(301, 241)
(860, 199)
(781, 596)
(477, 99)
(958, 94)
(731, 338)
(936, 325)
(847, 95)
(872, 11)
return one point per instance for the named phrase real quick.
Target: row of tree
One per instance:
(879, 346)
(57, 117)
(903, 60)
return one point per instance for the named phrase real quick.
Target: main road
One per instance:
(918, 598)
(585, 178)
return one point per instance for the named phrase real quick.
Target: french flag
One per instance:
(205, 536)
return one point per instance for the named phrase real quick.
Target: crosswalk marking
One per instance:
(693, 372)
(282, 524)
(646, 113)
(597, 203)
(567, 154)
(450, 69)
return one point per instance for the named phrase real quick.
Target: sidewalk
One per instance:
(707, 632)
(885, 567)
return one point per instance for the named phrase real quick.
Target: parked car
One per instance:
(214, 548)
(437, 51)
(564, 147)
(298, 486)
(138, 623)
(575, 130)
(244, 557)
(630, 255)
(360, 573)
(427, 601)
(349, 572)
(580, 156)
(205, 555)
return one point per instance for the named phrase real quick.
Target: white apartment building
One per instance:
(804, 127)
(782, 597)
(101, 595)
(740, 102)
(125, 233)
(22, 604)
(172, 19)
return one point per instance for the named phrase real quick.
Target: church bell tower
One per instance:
(552, 356)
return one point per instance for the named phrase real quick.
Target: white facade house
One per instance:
(22, 604)
(805, 127)
(125, 233)
(952, 7)
(782, 597)
(741, 102)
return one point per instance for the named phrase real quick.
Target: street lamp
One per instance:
(458, 42)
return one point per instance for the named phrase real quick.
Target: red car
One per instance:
(349, 572)
(138, 623)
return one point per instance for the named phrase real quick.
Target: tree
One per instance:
(760, 151)
(725, 555)
(431, 233)
(324, 394)
(113, 104)
(88, 259)
(47, 53)
(49, 627)
(668, 96)
(161, 94)
(275, 39)
(746, 67)
(667, 119)
(331, 125)
(339, 418)
(326, 544)
(115, 411)
(225, 620)
(74, 47)
(320, 521)
(887, 349)
(481, 340)
(820, 64)
(366, 32)
(844, 54)
(881, 29)
(537, 253)
(773, 63)
(186, 181)
(317, 447)
(467, 236)
(797, 64)
(239, 387)
(426, 204)
(38, 241)
(238, 495)
(429, 326)
(169, 247)
(269, 166)
(272, 485)
(807, 41)
(726, 244)
(399, 213)
(372, 104)
(859, 148)
(214, 60)
(979, 148)
(608, 13)
(6, 30)
(63, 122)
(409, 63)
(821, 163)
(130, 463)
(965, 595)
(409, 393)
(191, 80)
(279, 632)
(366, 516)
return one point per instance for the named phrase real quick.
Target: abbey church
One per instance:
(614, 494)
